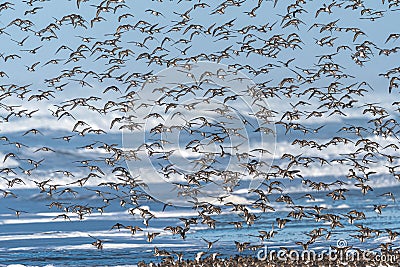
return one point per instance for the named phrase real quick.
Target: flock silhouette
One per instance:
(95, 71)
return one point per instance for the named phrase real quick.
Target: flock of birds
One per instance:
(307, 62)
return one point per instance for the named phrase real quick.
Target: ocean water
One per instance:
(37, 239)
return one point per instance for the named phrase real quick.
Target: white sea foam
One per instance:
(106, 246)
(343, 206)
(123, 246)
(75, 234)
(317, 200)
